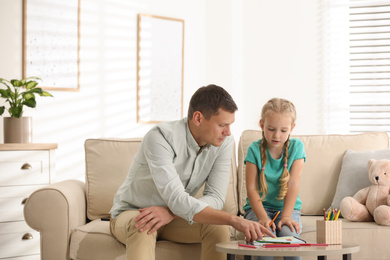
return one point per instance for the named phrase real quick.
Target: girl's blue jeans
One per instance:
(296, 215)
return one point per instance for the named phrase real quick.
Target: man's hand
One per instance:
(153, 218)
(253, 230)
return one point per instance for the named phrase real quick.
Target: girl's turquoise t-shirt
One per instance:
(273, 171)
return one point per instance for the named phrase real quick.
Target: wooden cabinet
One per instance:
(24, 168)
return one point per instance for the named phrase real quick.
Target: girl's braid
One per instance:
(263, 181)
(286, 175)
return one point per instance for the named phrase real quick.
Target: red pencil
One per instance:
(243, 245)
(291, 245)
(313, 244)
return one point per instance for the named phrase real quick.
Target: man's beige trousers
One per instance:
(141, 246)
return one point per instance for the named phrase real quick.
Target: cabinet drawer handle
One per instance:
(27, 236)
(26, 166)
(24, 201)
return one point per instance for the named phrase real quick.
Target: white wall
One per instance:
(254, 49)
(224, 52)
(282, 58)
(263, 49)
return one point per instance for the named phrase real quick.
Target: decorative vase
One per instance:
(17, 130)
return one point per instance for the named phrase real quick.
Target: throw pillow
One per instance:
(353, 175)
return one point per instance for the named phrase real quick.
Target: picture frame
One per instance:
(51, 43)
(160, 66)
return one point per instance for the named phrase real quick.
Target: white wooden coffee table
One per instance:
(232, 248)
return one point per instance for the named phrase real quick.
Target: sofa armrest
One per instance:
(55, 211)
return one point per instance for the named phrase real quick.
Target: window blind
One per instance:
(356, 66)
(369, 66)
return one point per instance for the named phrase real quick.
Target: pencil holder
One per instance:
(329, 232)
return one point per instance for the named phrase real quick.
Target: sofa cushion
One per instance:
(324, 154)
(94, 241)
(354, 173)
(247, 137)
(107, 165)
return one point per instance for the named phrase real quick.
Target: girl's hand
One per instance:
(292, 224)
(265, 222)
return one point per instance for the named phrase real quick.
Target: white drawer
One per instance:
(28, 257)
(11, 209)
(24, 167)
(12, 200)
(13, 244)
(15, 227)
(18, 191)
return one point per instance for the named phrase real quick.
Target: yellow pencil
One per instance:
(328, 215)
(337, 215)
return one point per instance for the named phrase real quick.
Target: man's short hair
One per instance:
(209, 99)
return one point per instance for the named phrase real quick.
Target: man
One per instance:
(175, 159)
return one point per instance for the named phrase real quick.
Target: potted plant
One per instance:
(19, 93)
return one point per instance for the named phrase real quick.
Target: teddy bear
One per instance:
(373, 202)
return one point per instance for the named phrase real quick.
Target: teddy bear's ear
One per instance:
(370, 162)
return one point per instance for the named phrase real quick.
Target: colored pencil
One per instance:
(280, 245)
(277, 214)
(313, 244)
(243, 245)
(328, 215)
(337, 215)
(272, 242)
(291, 245)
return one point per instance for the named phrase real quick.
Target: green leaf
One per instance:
(36, 90)
(30, 102)
(16, 112)
(4, 82)
(16, 83)
(36, 78)
(23, 81)
(31, 84)
(40, 92)
(46, 94)
(28, 95)
(2, 110)
(4, 93)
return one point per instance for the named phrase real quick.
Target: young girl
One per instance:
(273, 168)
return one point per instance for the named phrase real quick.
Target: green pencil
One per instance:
(272, 242)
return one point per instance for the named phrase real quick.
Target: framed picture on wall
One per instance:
(51, 43)
(159, 68)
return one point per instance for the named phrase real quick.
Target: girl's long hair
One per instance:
(280, 106)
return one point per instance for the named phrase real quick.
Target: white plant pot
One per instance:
(17, 130)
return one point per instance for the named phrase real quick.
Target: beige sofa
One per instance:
(72, 216)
